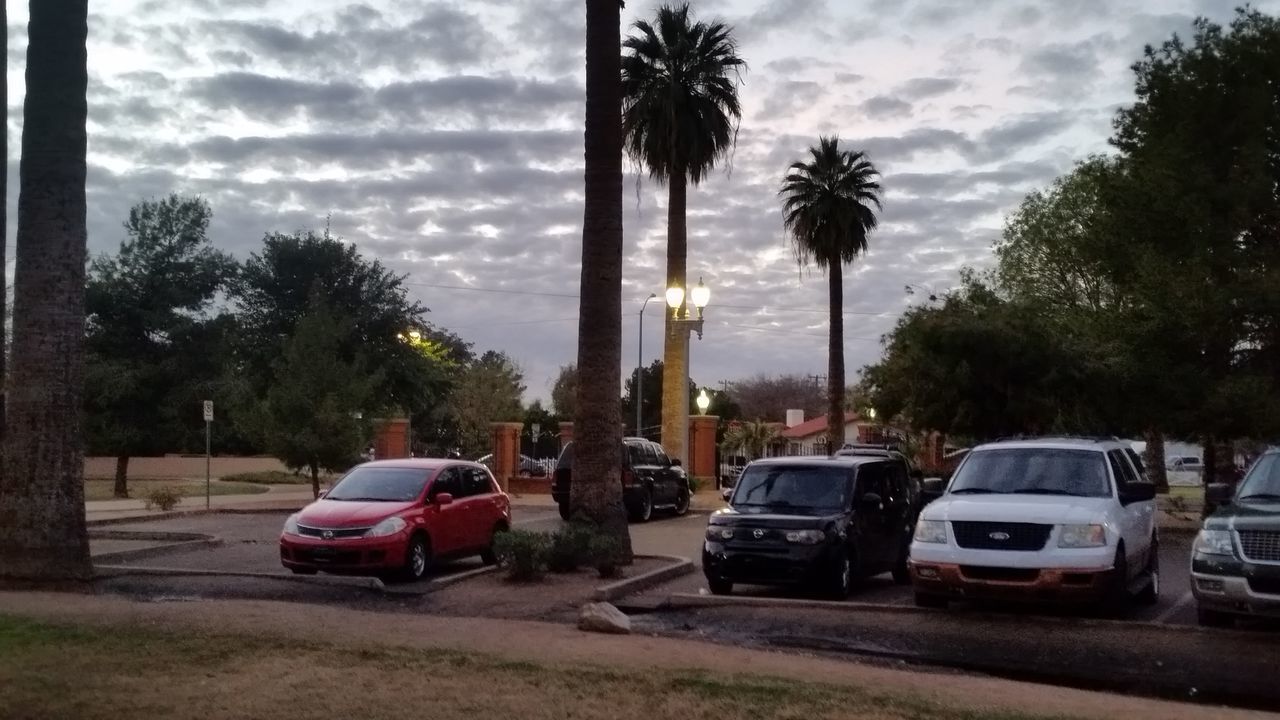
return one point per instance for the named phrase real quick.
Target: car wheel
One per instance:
(303, 571)
(1150, 595)
(644, 510)
(565, 512)
(1115, 603)
(417, 559)
(1214, 619)
(682, 503)
(488, 556)
(927, 600)
(719, 587)
(841, 581)
(901, 570)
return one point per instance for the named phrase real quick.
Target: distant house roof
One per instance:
(815, 426)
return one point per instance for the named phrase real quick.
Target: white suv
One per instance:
(1067, 519)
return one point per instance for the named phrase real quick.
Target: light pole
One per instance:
(700, 295)
(639, 398)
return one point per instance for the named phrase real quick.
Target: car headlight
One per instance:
(931, 531)
(1214, 542)
(390, 526)
(1082, 536)
(719, 533)
(806, 537)
(291, 525)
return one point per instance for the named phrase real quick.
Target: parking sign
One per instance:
(208, 411)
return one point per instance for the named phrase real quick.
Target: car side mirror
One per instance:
(1138, 492)
(933, 487)
(872, 500)
(675, 462)
(443, 499)
(1218, 494)
(726, 493)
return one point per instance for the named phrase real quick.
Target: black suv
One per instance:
(1235, 563)
(650, 480)
(813, 521)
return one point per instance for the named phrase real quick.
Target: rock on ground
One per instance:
(603, 618)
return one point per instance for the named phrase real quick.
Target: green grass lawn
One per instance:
(274, 477)
(101, 488)
(64, 671)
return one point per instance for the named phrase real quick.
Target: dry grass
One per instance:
(65, 671)
(102, 488)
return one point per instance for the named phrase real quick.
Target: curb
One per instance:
(439, 583)
(146, 535)
(157, 551)
(107, 571)
(188, 513)
(680, 566)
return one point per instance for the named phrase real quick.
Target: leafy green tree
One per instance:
(149, 331)
(680, 114)
(316, 412)
(489, 390)
(769, 397)
(651, 400)
(564, 393)
(829, 209)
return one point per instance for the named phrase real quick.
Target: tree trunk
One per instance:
(596, 490)
(1210, 460)
(315, 481)
(675, 349)
(121, 489)
(4, 221)
(835, 359)
(1153, 458)
(42, 521)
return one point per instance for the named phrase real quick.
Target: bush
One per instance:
(695, 484)
(522, 554)
(164, 497)
(570, 547)
(606, 555)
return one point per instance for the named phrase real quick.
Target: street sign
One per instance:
(208, 411)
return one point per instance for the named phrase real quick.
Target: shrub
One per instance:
(606, 555)
(522, 554)
(695, 484)
(164, 497)
(570, 547)
(269, 477)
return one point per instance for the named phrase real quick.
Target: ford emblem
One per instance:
(757, 534)
(999, 536)
(328, 535)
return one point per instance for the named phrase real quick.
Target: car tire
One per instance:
(643, 512)
(303, 571)
(1150, 595)
(929, 600)
(840, 582)
(488, 556)
(901, 569)
(1214, 618)
(682, 503)
(1115, 601)
(719, 587)
(565, 512)
(417, 559)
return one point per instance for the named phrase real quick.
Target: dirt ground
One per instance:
(556, 644)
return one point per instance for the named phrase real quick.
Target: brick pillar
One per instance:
(702, 445)
(506, 450)
(566, 434)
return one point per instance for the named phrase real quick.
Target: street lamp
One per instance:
(700, 295)
(639, 398)
(704, 402)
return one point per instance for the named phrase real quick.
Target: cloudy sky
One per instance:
(445, 137)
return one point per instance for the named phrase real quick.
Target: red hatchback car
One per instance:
(394, 518)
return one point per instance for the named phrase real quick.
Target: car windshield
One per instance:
(1263, 480)
(795, 488)
(383, 484)
(1033, 471)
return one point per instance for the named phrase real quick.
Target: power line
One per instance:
(783, 331)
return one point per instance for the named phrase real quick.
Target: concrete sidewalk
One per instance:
(277, 497)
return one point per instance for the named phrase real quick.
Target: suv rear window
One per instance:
(1033, 471)
(794, 487)
(566, 457)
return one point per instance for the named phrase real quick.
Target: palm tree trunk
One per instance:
(42, 522)
(835, 358)
(121, 489)
(675, 349)
(1153, 458)
(597, 432)
(4, 219)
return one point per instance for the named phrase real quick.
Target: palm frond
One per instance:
(830, 204)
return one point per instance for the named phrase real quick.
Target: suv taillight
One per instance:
(628, 478)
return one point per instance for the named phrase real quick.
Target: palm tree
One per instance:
(752, 439)
(679, 118)
(597, 461)
(829, 207)
(42, 523)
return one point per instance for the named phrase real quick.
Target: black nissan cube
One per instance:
(813, 521)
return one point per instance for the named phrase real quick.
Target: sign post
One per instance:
(208, 433)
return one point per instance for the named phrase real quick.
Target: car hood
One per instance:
(348, 513)
(1042, 509)
(752, 518)
(1246, 516)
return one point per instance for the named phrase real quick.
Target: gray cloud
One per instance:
(927, 87)
(883, 106)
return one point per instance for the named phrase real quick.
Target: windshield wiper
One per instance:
(1042, 491)
(359, 499)
(975, 491)
(1260, 496)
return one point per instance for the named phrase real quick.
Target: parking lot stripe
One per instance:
(1173, 610)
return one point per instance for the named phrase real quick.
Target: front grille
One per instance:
(1260, 545)
(1265, 586)
(999, 574)
(337, 532)
(1000, 536)
(320, 557)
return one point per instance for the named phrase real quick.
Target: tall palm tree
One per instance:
(597, 460)
(829, 208)
(752, 439)
(42, 523)
(680, 117)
